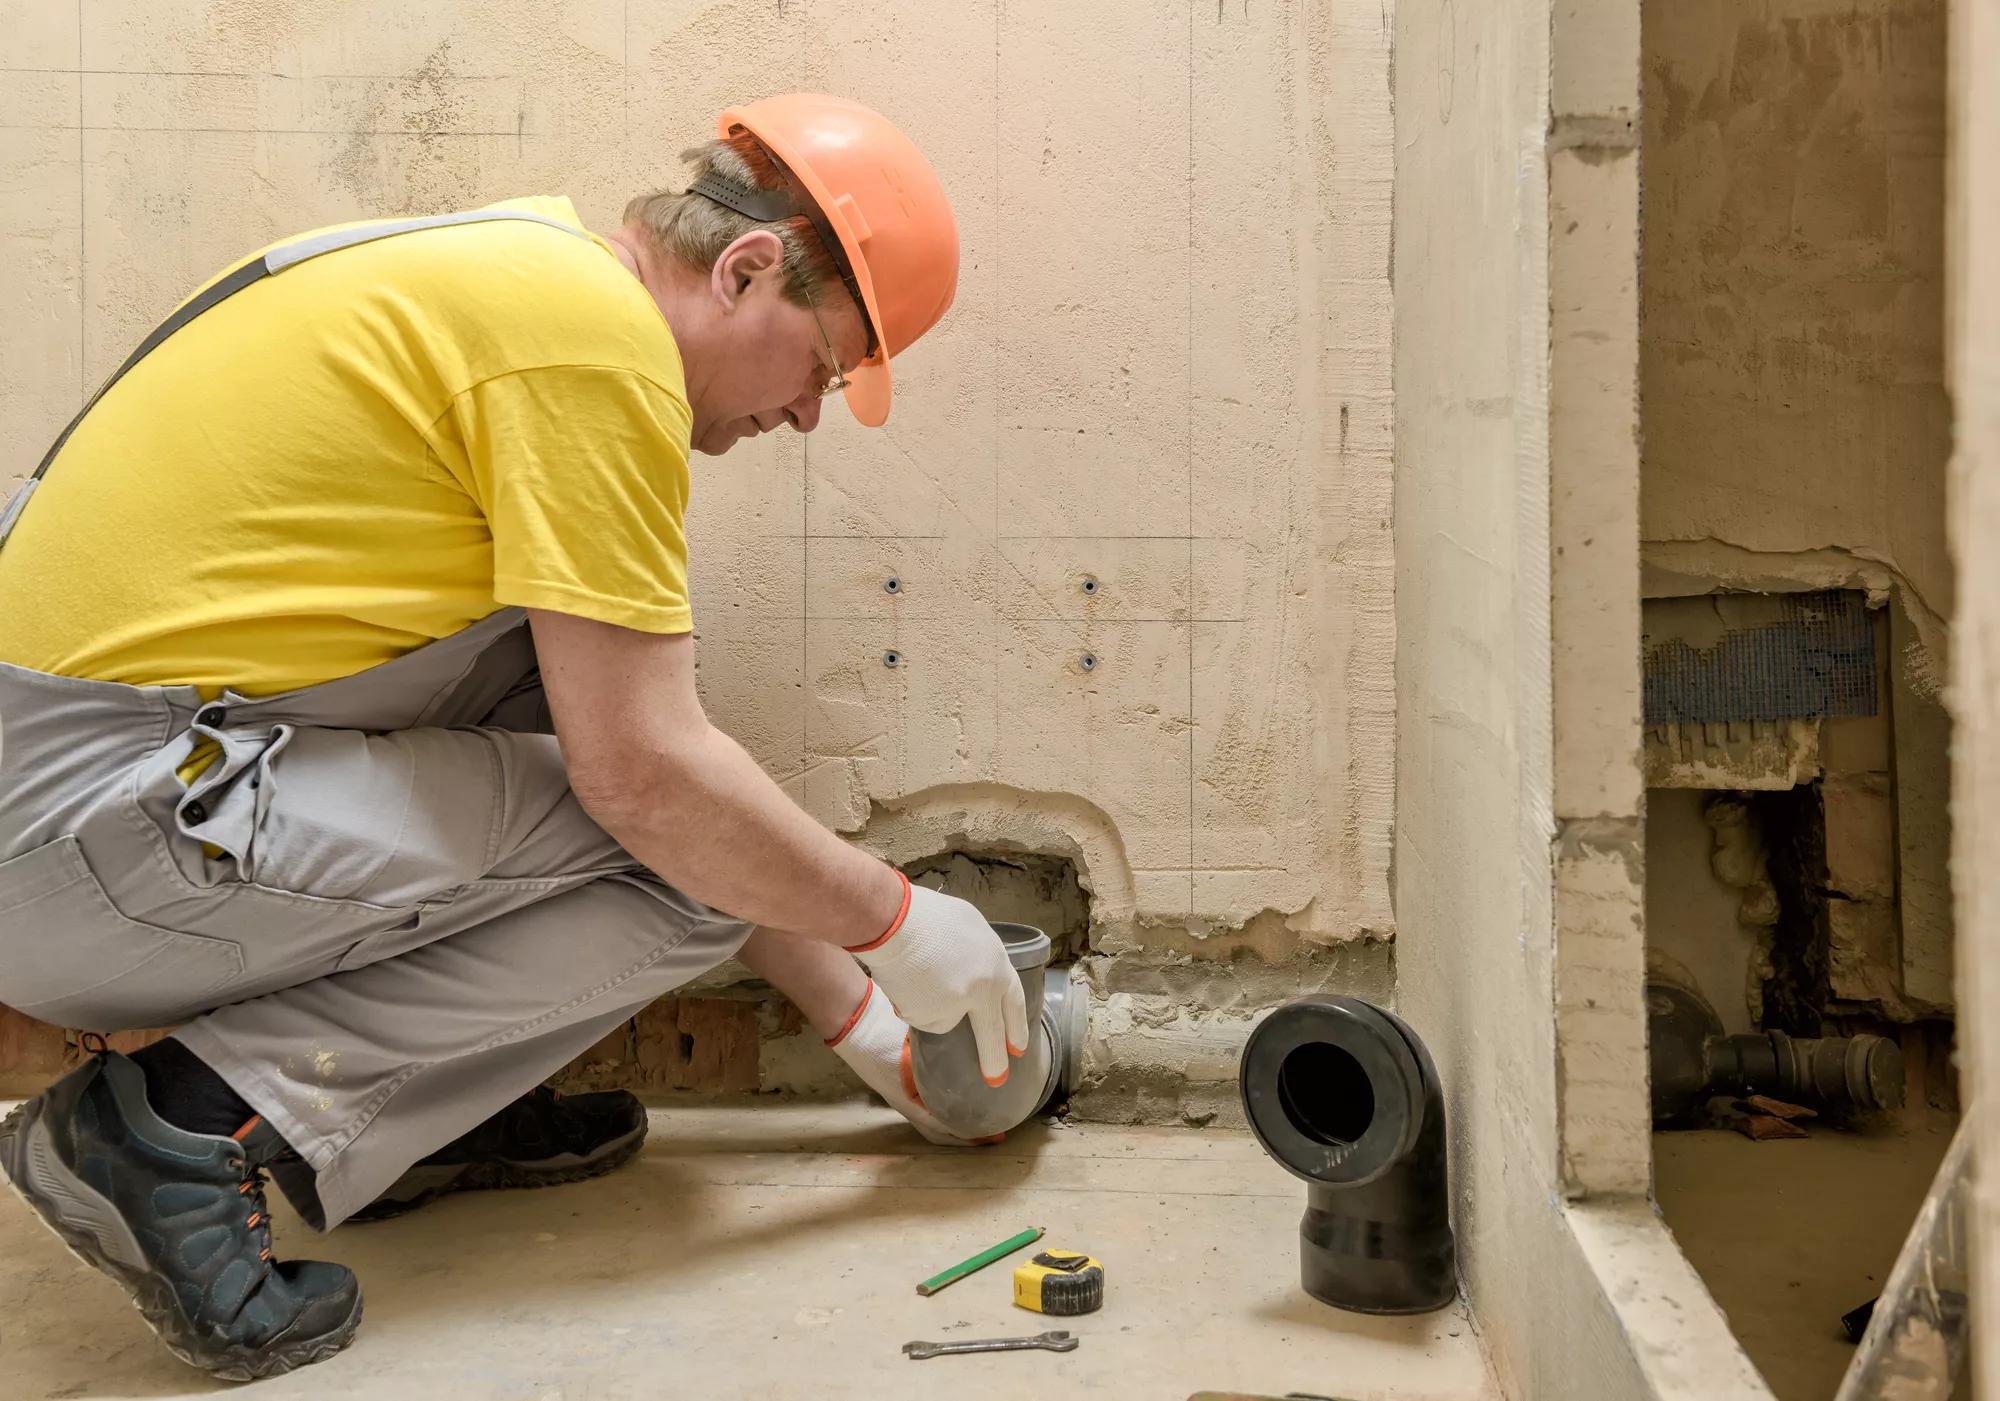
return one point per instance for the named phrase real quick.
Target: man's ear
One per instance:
(742, 262)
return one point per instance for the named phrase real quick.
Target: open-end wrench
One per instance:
(1057, 1341)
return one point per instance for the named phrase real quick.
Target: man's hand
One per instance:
(687, 802)
(941, 962)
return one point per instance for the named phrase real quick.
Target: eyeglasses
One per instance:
(835, 379)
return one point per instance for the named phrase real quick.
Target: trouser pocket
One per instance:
(385, 820)
(67, 955)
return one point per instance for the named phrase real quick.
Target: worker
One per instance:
(348, 718)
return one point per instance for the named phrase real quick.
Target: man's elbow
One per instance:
(620, 785)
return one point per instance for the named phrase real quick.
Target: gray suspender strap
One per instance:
(257, 269)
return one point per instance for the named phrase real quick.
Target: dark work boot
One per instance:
(540, 1139)
(179, 1219)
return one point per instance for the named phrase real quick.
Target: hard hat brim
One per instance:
(868, 393)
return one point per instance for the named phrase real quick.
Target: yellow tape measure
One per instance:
(1060, 1282)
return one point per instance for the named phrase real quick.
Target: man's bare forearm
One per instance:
(823, 982)
(686, 800)
(716, 826)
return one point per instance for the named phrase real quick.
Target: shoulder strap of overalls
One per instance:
(277, 260)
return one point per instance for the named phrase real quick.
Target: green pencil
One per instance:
(979, 1261)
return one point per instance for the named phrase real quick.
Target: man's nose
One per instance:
(804, 412)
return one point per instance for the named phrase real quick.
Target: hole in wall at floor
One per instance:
(1015, 887)
(1772, 938)
(1750, 931)
(1326, 1094)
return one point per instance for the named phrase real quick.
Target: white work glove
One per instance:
(940, 963)
(875, 1044)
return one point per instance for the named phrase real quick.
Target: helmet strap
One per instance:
(765, 206)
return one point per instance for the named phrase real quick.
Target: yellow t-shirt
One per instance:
(363, 453)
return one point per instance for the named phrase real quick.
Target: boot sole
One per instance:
(92, 1230)
(428, 1182)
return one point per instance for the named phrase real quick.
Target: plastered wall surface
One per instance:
(1693, 916)
(1974, 365)
(1794, 288)
(1796, 423)
(1167, 370)
(1472, 904)
(1518, 779)
(1474, 955)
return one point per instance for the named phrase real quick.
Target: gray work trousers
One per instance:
(413, 920)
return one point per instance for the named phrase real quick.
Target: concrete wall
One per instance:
(1195, 413)
(1796, 425)
(1472, 885)
(1519, 846)
(1974, 366)
(1693, 916)
(1794, 286)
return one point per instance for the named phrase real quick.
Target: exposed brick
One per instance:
(695, 1043)
(725, 1037)
(606, 1065)
(659, 1058)
(126, 1042)
(1860, 836)
(615, 1046)
(31, 1052)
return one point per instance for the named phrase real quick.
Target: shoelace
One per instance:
(252, 1186)
(260, 1215)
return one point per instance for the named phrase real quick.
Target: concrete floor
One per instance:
(1790, 1234)
(772, 1250)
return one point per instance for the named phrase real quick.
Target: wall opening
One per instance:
(1794, 433)
(1751, 933)
(1015, 887)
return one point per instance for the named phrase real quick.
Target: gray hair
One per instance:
(696, 230)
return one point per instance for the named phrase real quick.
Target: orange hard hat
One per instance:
(885, 208)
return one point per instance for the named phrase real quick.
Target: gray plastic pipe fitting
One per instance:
(945, 1065)
(1691, 1058)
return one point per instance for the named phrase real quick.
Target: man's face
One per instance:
(772, 357)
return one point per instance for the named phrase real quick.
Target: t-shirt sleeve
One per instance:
(582, 472)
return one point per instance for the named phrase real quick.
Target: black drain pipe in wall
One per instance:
(1344, 1095)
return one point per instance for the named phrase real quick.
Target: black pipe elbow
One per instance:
(1344, 1095)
